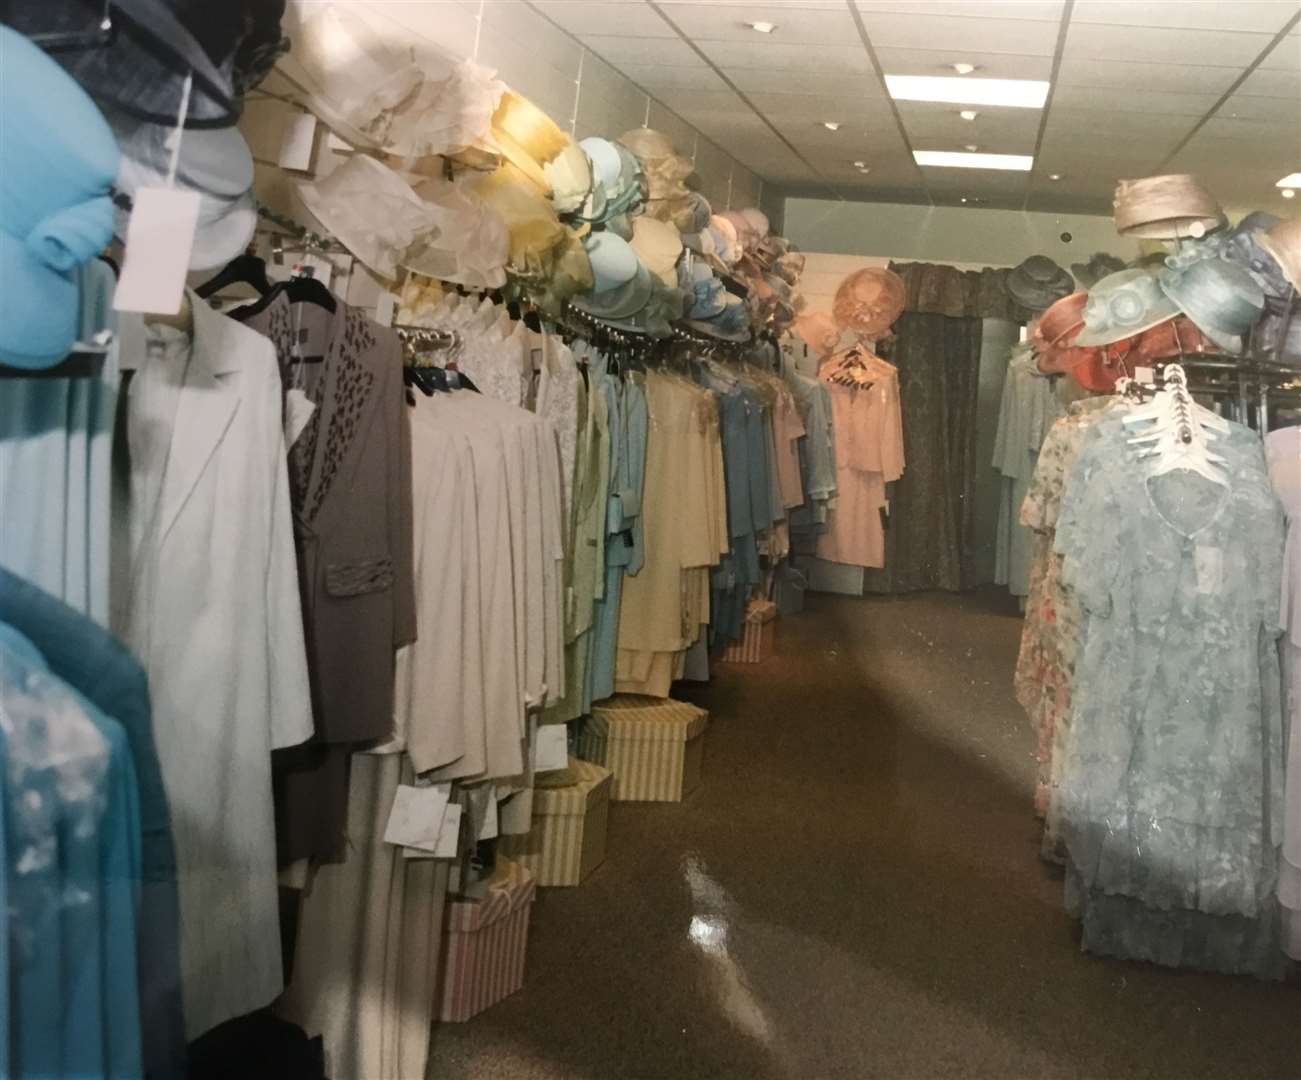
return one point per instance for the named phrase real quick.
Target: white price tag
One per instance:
(449, 841)
(1145, 374)
(322, 268)
(159, 238)
(297, 142)
(418, 816)
(298, 411)
(491, 825)
(385, 306)
(551, 748)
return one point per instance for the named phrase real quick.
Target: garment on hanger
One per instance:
(817, 457)
(1283, 453)
(868, 424)
(56, 448)
(1171, 800)
(211, 607)
(350, 492)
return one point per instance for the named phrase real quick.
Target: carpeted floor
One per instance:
(854, 892)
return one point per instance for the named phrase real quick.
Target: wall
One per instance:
(945, 234)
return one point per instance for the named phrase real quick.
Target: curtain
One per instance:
(930, 532)
(945, 290)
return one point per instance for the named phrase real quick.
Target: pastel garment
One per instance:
(869, 454)
(56, 449)
(1283, 452)
(211, 608)
(1171, 790)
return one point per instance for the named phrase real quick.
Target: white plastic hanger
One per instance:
(1181, 431)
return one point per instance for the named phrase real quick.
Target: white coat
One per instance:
(213, 613)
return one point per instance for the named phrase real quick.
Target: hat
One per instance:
(215, 163)
(1243, 245)
(353, 81)
(143, 65)
(1283, 241)
(730, 324)
(471, 245)
(55, 207)
(1099, 266)
(616, 183)
(819, 331)
(613, 261)
(869, 301)
(1063, 317)
(694, 214)
(570, 177)
(449, 113)
(708, 297)
(1037, 282)
(528, 137)
(1172, 338)
(1220, 297)
(1165, 207)
(1096, 369)
(659, 245)
(1269, 337)
(621, 301)
(1123, 304)
(536, 234)
(757, 220)
(727, 244)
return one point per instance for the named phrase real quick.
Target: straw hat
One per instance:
(529, 139)
(570, 177)
(1220, 297)
(659, 245)
(1122, 305)
(869, 301)
(536, 233)
(1166, 207)
(1283, 241)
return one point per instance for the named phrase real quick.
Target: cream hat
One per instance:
(570, 177)
(473, 243)
(529, 139)
(450, 113)
(658, 245)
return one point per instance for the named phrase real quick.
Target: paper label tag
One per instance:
(449, 840)
(1210, 569)
(1145, 374)
(298, 411)
(160, 235)
(418, 816)
(297, 143)
(551, 748)
(385, 306)
(491, 825)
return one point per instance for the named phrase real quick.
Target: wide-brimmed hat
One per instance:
(869, 301)
(142, 66)
(449, 114)
(1037, 282)
(1174, 337)
(727, 245)
(570, 175)
(694, 214)
(1063, 318)
(707, 296)
(1100, 264)
(1283, 241)
(56, 211)
(730, 324)
(613, 260)
(1123, 305)
(1166, 207)
(1097, 369)
(536, 233)
(1243, 245)
(529, 139)
(1220, 297)
(472, 244)
(819, 331)
(659, 245)
(621, 301)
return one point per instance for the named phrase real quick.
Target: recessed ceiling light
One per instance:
(831, 125)
(963, 69)
(1288, 193)
(955, 159)
(1054, 176)
(1012, 93)
(968, 114)
(762, 27)
(971, 148)
(964, 198)
(1292, 180)
(860, 164)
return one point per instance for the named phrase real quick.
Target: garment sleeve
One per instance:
(401, 537)
(1088, 535)
(289, 701)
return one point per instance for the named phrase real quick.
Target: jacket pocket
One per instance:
(359, 578)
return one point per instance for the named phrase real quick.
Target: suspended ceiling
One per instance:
(1211, 87)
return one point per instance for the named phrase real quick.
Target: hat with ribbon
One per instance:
(869, 301)
(1038, 282)
(1220, 297)
(56, 211)
(694, 214)
(1166, 207)
(1122, 305)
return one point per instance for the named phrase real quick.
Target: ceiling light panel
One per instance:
(1292, 180)
(1007, 93)
(960, 159)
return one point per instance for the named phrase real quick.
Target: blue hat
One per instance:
(56, 212)
(1124, 304)
(1221, 298)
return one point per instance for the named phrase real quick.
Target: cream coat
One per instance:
(213, 612)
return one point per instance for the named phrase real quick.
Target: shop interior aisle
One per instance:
(854, 892)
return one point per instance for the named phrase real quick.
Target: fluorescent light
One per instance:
(831, 125)
(1013, 93)
(762, 27)
(968, 114)
(1291, 181)
(958, 160)
(963, 69)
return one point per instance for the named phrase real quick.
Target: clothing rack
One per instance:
(1249, 385)
(312, 241)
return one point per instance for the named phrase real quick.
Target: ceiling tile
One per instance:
(1109, 100)
(988, 65)
(980, 34)
(727, 22)
(680, 78)
(1262, 16)
(1246, 107)
(1264, 132)
(800, 82)
(633, 50)
(584, 17)
(1115, 125)
(1285, 56)
(1268, 83)
(723, 101)
(1136, 43)
(771, 56)
(1166, 78)
(852, 109)
(1044, 10)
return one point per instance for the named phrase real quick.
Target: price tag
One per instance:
(385, 306)
(297, 142)
(1145, 374)
(449, 840)
(298, 411)
(418, 816)
(159, 238)
(491, 825)
(551, 748)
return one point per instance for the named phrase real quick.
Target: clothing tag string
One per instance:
(174, 139)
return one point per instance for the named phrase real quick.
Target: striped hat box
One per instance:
(653, 746)
(484, 945)
(757, 636)
(567, 840)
